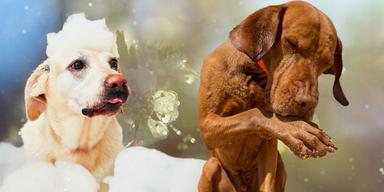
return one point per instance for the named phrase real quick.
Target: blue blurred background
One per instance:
(24, 26)
(195, 28)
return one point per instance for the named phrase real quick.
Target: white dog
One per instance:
(72, 98)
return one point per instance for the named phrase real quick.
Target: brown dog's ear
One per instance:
(34, 93)
(336, 70)
(257, 33)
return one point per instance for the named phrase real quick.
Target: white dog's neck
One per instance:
(75, 131)
(91, 142)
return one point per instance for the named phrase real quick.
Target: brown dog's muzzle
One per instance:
(306, 97)
(294, 97)
(294, 90)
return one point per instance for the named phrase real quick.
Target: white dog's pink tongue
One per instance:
(115, 100)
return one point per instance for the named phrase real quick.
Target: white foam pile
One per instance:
(80, 33)
(141, 169)
(18, 175)
(137, 169)
(37, 176)
(11, 158)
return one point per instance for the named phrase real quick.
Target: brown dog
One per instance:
(243, 110)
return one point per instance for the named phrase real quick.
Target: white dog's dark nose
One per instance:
(115, 81)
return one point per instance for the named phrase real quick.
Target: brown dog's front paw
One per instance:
(305, 140)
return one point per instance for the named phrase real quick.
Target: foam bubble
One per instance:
(80, 33)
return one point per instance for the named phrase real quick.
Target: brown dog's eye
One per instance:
(293, 44)
(114, 63)
(78, 65)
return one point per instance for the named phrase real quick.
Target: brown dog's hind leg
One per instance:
(214, 178)
(281, 175)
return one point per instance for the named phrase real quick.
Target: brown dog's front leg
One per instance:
(218, 131)
(302, 138)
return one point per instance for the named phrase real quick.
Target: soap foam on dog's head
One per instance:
(80, 33)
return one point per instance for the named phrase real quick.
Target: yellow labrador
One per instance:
(72, 98)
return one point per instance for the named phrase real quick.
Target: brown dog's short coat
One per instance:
(243, 111)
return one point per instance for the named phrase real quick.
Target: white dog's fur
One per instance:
(54, 96)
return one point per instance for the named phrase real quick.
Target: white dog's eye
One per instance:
(114, 63)
(77, 65)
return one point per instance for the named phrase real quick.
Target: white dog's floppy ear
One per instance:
(35, 90)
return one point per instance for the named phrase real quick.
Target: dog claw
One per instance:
(331, 149)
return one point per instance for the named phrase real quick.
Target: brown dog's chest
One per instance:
(239, 155)
(242, 90)
(242, 93)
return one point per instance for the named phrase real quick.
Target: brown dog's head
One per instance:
(298, 44)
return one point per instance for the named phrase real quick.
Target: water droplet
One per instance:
(131, 123)
(181, 64)
(26, 7)
(189, 79)
(193, 140)
(177, 131)
(134, 23)
(306, 180)
(165, 105)
(158, 129)
(24, 31)
(90, 4)
(182, 146)
(381, 170)
(366, 106)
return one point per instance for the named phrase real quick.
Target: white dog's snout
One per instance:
(115, 81)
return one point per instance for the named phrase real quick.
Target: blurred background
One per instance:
(162, 45)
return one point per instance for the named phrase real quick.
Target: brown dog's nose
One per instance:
(115, 81)
(306, 97)
(306, 102)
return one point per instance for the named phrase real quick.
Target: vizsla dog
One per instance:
(73, 97)
(261, 86)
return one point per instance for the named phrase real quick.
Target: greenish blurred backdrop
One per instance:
(163, 43)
